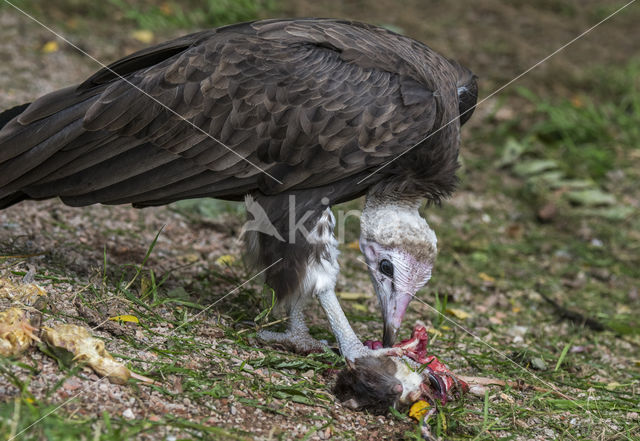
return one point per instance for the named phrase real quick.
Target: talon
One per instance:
(438, 385)
(373, 344)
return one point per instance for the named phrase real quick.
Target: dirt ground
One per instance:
(500, 255)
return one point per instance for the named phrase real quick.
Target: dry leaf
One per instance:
(143, 36)
(507, 398)
(225, 260)
(419, 409)
(613, 385)
(577, 101)
(353, 295)
(27, 293)
(486, 277)
(166, 8)
(50, 46)
(623, 309)
(16, 333)
(125, 318)
(355, 245)
(458, 313)
(190, 258)
(87, 349)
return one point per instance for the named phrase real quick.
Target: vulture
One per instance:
(292, 116)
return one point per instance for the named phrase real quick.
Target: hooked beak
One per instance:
(389, 335)
(394, 305)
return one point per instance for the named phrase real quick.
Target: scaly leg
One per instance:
(296, 337)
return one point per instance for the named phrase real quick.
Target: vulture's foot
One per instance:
(365, 350)
(299, 341)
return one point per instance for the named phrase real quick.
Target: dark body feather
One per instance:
(316, 103)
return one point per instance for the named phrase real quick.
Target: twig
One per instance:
(482, 382)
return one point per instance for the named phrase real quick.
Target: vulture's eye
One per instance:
(386, 268)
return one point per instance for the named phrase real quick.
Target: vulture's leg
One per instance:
(297, 336)
(321, 277)
(265, 245)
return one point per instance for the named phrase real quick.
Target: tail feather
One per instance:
(12, 199)
(5, 117)
(8, 115)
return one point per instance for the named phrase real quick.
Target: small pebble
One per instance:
(128, 414)
(539, 364)
(72, 384)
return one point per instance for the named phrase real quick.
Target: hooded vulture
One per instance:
(292, 116)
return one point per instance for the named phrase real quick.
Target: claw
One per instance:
(373, 344)
(436, 383)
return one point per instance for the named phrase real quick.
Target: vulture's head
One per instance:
(400, 250)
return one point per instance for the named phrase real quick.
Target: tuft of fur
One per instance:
(369, 384)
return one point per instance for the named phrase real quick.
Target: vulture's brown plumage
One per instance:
(270, 109)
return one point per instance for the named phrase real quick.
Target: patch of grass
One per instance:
(191, 14)
(35, 421)
(152, 15)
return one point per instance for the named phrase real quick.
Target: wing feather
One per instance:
(310, 102)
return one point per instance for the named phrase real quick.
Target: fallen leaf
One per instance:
(166, 8)
(623, 309)
(616, 212)
(486, 277)
(572, 184)
(539, 364)
(511, 151)
(77, 341)
(355, 245)
(226, 260)
(507, 398)
(49, 47)
(458, 313)
(419, 409)
(125, 318)
(360, 307)
(590, 198)
(534, 166)
(613, 385)
(354, 295)
(434, 332)
(16, 333)
(190, 257)
(577, 101)
(143, 35)
(25, 293)
(551, 178)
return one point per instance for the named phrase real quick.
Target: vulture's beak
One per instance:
(394, 305)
